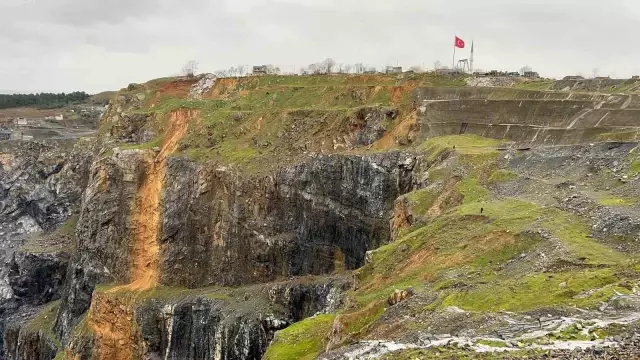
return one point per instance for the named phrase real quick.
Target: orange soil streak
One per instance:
(146, 250)
(401, 218)
(117, 336)
(447, 199)
(223, 87)
(110, 315)
(402, 129)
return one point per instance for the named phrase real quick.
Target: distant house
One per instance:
(573, 77)
(21, 121)
(635, 77)
(531, 74)
(59, 117)
(393, 70)
(260, 70)
(602, 78)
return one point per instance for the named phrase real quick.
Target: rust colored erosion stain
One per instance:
(111, 315)
(147, 216)
(117, 336)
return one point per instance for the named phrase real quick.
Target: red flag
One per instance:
(459, 43)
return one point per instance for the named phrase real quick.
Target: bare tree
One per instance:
(242, 69)
(190, 68)
(437, 65)
(317, 68)
(359, 68)
(273, 70)
(347, 68)
(416, 69)
(328, 65)
(595, 72)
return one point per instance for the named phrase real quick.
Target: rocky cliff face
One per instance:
(228, 224)
(42, 183)
(312, 218)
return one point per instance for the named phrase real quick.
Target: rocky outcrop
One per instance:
(103, 234)
(302, 299)
(37, 279)
(41, 184)
(202, 324)
(206, 329)
(304, 219)
(28, 345)
(311, 218)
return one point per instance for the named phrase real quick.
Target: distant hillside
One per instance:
(42, 100)
(102, 98)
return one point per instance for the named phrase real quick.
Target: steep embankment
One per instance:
(223, 217)
(528, 118)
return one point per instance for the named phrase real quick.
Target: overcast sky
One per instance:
(96, 45)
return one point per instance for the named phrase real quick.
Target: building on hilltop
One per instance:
(573, 77)
(393, 70)
(260, 70)
(531, 74)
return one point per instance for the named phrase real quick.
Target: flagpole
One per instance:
(453, 62)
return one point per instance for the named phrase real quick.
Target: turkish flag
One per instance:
(459, 43)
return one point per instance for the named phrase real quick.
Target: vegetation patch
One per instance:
(501, 176)
(166, 293)
(43, 322)
(61, 240)
(575, 234)
(607, 200)
(422, 200)
(492, 343)
(357, 322)
(304, 340)
(463, 144)
(523, 294)
(451, 241)
(472, 191)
